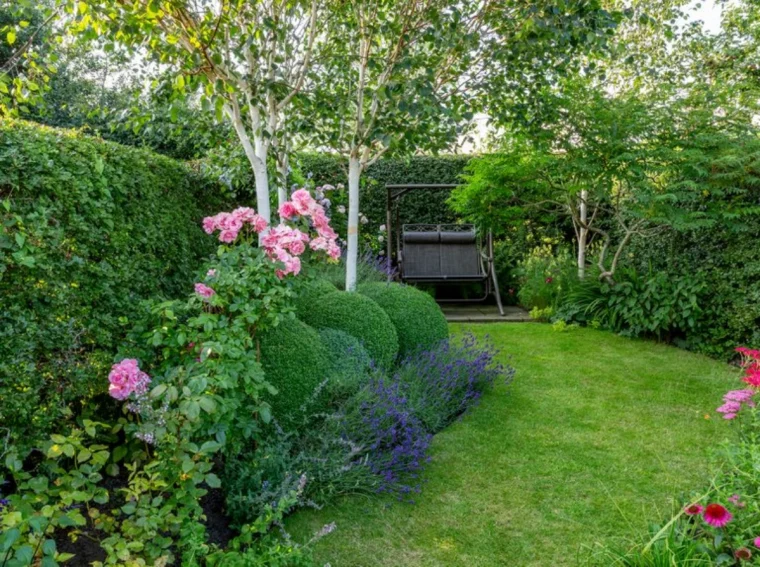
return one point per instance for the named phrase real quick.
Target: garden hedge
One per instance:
(295, 361)
(360, 317)
(419, 321)
(89, 228)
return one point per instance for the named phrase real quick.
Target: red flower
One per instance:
(694, 509)
(716, 515)
(549, 280)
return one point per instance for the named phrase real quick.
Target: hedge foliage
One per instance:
(295, 361)
(360, 317)
(728, 262)
(418, 319)
(308, 292)
(88, 229)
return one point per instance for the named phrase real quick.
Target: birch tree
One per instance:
(246, 60)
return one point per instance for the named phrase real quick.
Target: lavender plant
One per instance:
(441, 383)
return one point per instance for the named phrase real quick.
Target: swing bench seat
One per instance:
(441, 253)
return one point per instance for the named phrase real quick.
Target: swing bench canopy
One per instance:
(440, 253)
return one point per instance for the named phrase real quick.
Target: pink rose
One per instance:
(204, 290)
(209, 225)
(126, 378)
(228, 236)
(288, 210)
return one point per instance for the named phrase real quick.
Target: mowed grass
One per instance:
(591, 443)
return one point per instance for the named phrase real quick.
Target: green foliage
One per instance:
(729, 263)
(415, 206)
(544, 275)
(351, 364)
(369, 268)
(360, 317)
(309, 291)
(88, 229)
(666, 306)
(295, 362)
(418, 319)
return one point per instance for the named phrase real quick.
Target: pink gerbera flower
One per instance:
(716, 515)
(694, 509)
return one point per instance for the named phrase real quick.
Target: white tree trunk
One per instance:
(582, 235)
(261, 177)
(282, 182)
(352, 255)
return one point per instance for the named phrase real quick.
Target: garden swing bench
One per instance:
(440, 253)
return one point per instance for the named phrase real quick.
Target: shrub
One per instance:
(350, 364)
(443, 382)
(419, 321)
(295, 361)
(360, 317)
(544, 275)
(88, 229)
(310, 291)
(665, 306)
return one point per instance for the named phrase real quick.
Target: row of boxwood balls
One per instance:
(337, 335)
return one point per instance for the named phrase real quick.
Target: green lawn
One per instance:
(590, 443)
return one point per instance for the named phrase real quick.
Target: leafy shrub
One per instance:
(665, 306)
(443, 382)
(350, 364)
(295, 361)
(360, 317)
(544, 276)
(419, 321)
(729, 264)
(88, 229)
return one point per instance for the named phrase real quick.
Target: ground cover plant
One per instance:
(578, 450)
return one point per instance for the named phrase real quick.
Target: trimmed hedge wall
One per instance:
(360, 317)
(295, 361)
(419, 321)
(89, 228)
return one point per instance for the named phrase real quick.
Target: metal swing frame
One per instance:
(447, 253)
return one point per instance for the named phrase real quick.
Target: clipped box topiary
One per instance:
(308, 292)
(358, 316)
(419, 321)
(295, 361)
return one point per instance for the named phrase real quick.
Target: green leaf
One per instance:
(11, 37)
(213, 481)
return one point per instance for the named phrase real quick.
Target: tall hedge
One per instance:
(89, 228)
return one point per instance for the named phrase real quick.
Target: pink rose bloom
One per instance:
(258, 223)
(297, 247)
(303, 201)
(126, 378)
(293, 266)
(333, 251)
(288, 210)
(209, 225)
(228, 236)
(223, 220)
(244, 214)
(319, 243)
(204, 290)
